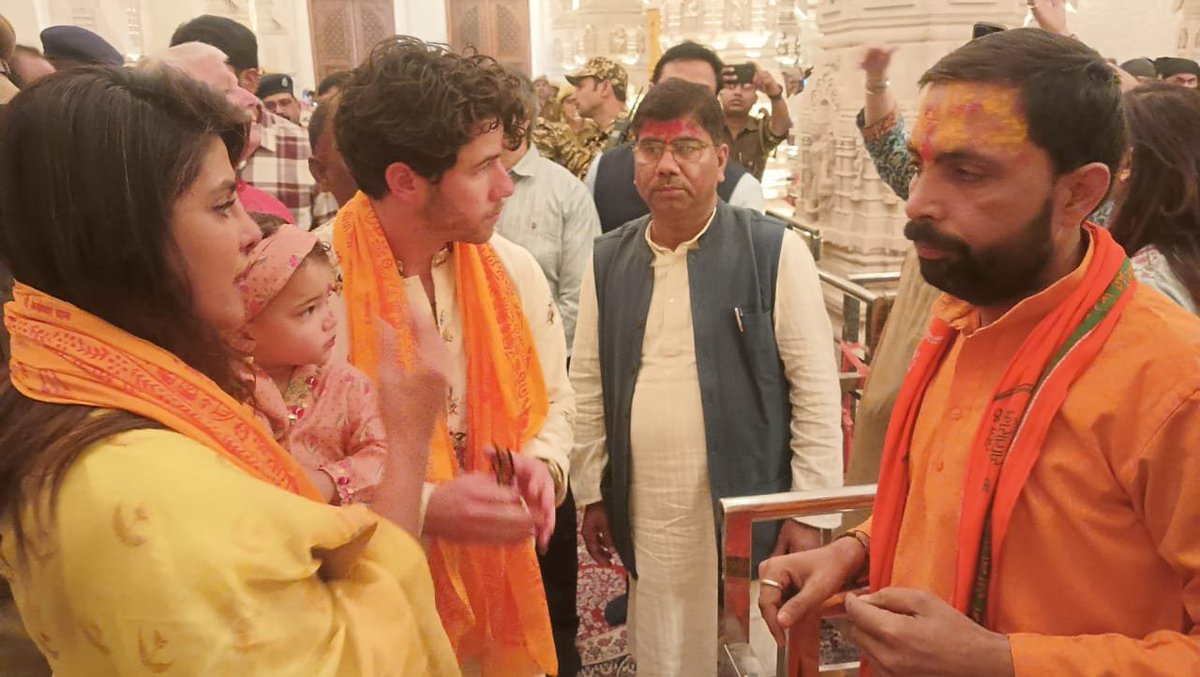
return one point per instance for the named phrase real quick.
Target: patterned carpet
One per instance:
(605, 649)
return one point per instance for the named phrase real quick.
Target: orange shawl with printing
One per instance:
(490, 598)
(64, 355)
(1013, 428)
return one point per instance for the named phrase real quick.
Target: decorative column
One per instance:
(835, 186)
(582, 29)
(1188, 40)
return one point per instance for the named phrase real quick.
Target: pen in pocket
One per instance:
(737, 315)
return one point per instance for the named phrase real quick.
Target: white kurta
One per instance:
(554, 441)
(673, 604)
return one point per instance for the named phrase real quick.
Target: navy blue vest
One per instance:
(743, 389)
(616, 197)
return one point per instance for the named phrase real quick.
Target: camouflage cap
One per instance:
(600, 68)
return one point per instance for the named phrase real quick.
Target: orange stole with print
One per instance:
(1010, 435)
(64, 355)
(490, 598)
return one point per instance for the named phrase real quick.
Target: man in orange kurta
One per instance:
(1032, 515)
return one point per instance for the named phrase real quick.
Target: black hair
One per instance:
(690, 51)
(237, 41)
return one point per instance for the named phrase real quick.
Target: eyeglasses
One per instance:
(683, 150)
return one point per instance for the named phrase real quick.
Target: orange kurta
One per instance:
(1104, 537)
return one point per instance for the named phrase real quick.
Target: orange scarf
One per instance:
(490, 598)
(64, 355)
(1012, 430)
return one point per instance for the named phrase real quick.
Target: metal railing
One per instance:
(736, 657)
(874, 278)
(812, 236)
(863, 310)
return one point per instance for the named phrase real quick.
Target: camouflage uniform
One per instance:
(576, 151)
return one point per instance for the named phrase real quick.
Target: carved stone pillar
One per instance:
(835, 185)
(1188, 41)
(581, 29)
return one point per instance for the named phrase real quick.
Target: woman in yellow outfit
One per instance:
(148, 525)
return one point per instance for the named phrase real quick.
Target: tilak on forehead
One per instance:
(958, 115)
(668, 130)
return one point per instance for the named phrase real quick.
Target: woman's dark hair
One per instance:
(674, 99)
(92, 162)
(1071, 95)
(690, 51)
(1160, 203)
(419, 103)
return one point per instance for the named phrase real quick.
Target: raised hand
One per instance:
(411, 399)
(765, 83)
(1050, 15)
(876, 60)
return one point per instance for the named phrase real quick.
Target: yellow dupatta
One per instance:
(64, 355)
(490, 598)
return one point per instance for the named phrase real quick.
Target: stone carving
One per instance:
(618, 41)
(272, 19)
(737, 15)
(857, 165)
(590, 41)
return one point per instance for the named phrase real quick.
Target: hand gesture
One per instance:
(410, 400)
(876, 60)
(474, 509)
(536, 486)
(913, 632)
(765, 83)
(597, 535)
(808, 578)
(1050, 15)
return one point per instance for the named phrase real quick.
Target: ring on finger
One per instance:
(770, 583)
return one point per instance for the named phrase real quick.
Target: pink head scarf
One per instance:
(273, 262)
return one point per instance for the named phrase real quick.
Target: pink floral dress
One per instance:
(329, 420)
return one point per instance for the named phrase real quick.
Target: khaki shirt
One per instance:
(575, 151)
(754, 143)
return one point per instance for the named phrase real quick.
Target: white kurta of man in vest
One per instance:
(702, 370)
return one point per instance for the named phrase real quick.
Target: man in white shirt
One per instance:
(422, 130)
(550, 213)
(703, 368)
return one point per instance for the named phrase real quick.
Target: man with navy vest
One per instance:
(703, 368)
(611, 175)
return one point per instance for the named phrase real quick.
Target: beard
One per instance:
(1002, 273)
(457, 226)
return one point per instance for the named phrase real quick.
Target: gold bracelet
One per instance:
(878, 87)
(560, 481)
